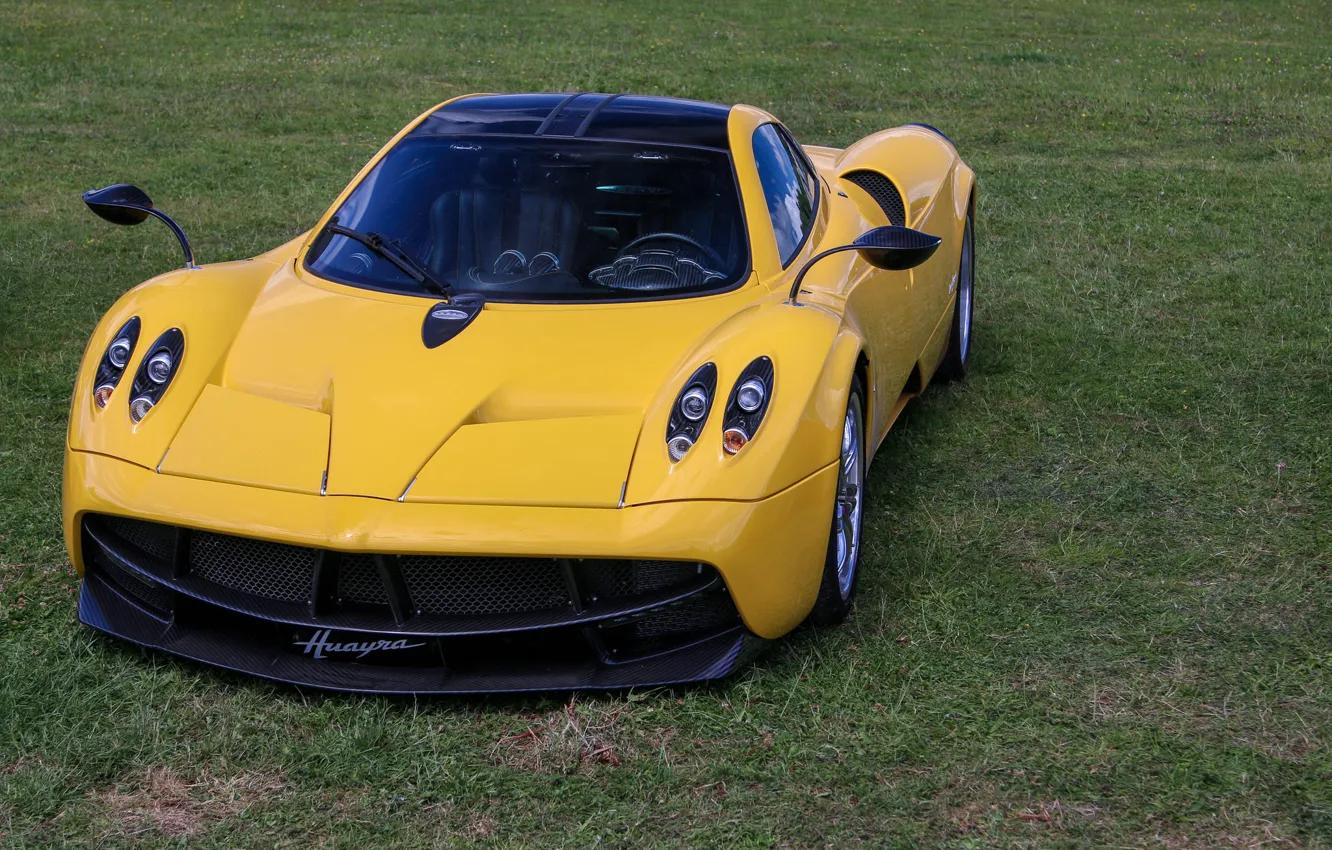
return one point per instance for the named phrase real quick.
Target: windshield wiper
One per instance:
(395, 255)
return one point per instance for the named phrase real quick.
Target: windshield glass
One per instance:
(536, 218)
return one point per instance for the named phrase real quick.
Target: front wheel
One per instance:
(841, 567)
(954, 365)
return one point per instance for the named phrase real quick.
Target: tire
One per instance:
(954, 365)
(841, 567)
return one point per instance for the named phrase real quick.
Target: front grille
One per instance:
(669, 626)
(257, 567)
(360, 581)
(472, 586)
(884, 193)
(578, 620)
(148, 592)
(615, 579)
(435, 585)
(151, 538)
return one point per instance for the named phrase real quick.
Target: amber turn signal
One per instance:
(733, 440)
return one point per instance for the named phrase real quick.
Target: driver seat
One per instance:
(473, 226)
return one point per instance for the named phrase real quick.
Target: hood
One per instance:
(325, 389)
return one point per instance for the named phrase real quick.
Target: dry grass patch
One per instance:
(161, 800)
(1210, 836)
(568, 740)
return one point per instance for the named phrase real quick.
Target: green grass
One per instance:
(1096, 606)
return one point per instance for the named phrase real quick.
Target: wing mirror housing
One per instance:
(126, 204)
(891, 247)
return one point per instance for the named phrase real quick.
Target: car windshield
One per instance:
(536, 218)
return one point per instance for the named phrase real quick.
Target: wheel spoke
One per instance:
(846, 509)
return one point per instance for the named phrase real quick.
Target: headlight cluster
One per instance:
(114, 360)
(690, 412)
(159, 366)
(748, 402)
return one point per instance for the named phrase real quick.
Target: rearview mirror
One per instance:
(891, 247)
(896, 248)
(126, 204)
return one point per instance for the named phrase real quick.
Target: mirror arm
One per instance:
(176, 229)
(800, 277)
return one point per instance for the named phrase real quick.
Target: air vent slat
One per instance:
(884, 193)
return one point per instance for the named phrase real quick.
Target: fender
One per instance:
(208, 304)
(813, 358)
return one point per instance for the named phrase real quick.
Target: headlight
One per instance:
(156, 372)
(678, 446)
(747, 404)
(750, 395)
(118, 353)
(159, 367)
(690, 412)
(139, 408)
(694, 403)
(113, 363)
(734, 439)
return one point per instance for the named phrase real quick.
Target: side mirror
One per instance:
(123, 203)
(893, 248)
(896, 248)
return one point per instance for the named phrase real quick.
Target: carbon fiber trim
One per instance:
(272, 651)
(380, 620)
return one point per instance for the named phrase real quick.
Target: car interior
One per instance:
(547, 218)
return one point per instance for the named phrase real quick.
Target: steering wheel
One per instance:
(675, 237)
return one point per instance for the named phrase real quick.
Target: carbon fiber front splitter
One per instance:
(315, 658)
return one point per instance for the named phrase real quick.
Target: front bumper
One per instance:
(759, 568)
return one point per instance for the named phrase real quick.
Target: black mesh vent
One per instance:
(884, 193)
(617, 579)
(149, 592)
(270, 570)
(664, 628)
(151, 538)
(441, 585)
(463, 586)
(655, 575)
(694, 615)
(360, 581)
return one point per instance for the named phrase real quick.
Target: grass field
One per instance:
(1097, 600)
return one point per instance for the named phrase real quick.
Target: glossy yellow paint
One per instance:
(763, 549)
(245, 439)
(540, 430)
(578, 461)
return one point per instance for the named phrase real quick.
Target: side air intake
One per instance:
(884, 193)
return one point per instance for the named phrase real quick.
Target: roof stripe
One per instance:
(554, 113)
(625, 117)
(587, 122)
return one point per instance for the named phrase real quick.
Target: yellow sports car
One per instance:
(562, 391)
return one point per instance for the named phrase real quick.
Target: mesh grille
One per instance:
(655, 575)
(145, 591)
(462, 586)
(441, 585)
(151, 538)
(675, 625)
(695, 615)
(270, 570)
(360, 581)
(884, 193)
(618, 579)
